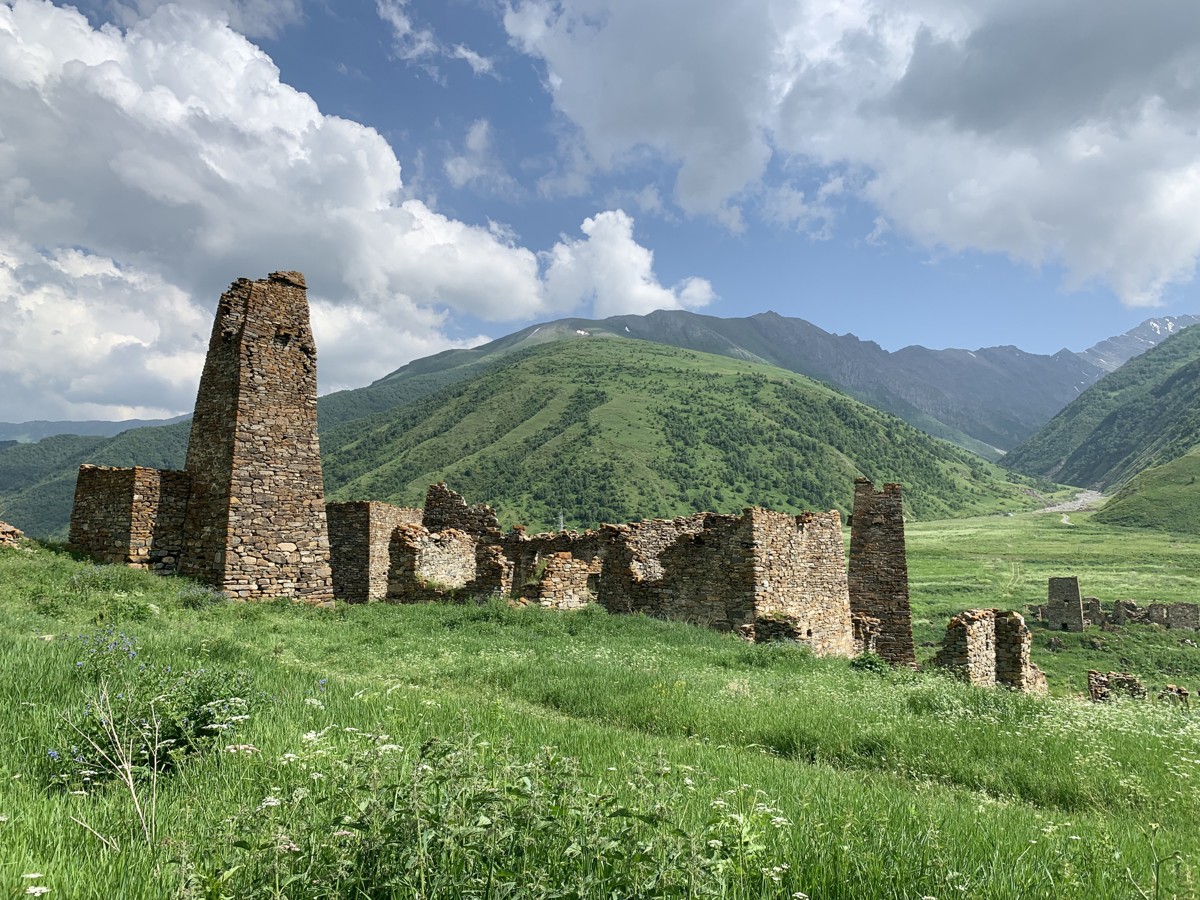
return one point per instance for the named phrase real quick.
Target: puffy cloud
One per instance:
(141, 171)
(1047, 130)
(615, 272)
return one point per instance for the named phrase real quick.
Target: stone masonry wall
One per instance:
(564, 582)
(256, 522)
(697, 568)
(987, 647)
(360, 533)
(1064, 606)
(969, 647)
(446, 509)
(449, 564)
(799, 572)
(130, 516)
(878, 577)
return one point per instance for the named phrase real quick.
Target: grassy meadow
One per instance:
(164, 743)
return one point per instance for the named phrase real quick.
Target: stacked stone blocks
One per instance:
(988, 647)
(878, 577)
(253, 522)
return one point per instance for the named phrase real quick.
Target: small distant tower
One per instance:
(255, 524)
(878, 577)
(1064, 606)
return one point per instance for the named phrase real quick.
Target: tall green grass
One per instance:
(487, 751)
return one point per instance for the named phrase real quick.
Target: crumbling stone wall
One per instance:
(448, 564)
(697, 568)
(130, 516)
(724, 571)
(255, 524)
(360, 534)
(878, 577)
(1168, 615)
(10, 535)
(446, 509)
(1093, 613)
(1102, 687)
(988, 647)
(798, 571)
(529, 553)
(564, 582)
(1064, 606)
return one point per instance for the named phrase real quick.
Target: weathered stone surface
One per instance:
(1168, 615)
(130, 516)
(723, 571)
(248, 513)
(446, 509)
(1101, 687)
(10, 535)
(359, 534)
(1176, 695)
(1064, 606)
(988, 647)
(878, 579)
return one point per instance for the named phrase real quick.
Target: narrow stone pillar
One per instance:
(878, 578)
(255, 525)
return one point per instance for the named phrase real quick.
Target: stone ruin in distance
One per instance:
(247, 515)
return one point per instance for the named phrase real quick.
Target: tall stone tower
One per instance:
(255, 523)
(878, 578)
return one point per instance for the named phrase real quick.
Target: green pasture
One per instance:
(483, 751)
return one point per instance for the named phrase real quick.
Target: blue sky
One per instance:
(912, 171)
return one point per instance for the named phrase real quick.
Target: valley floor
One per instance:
(444, 751)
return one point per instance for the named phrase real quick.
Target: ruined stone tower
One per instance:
(878, 578)
(255, 524)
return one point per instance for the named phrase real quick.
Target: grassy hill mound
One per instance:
(1165, 497)
(418, 751)
(1144, 414)
(599, 430)
(614, 430)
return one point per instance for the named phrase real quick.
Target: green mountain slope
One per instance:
(601, 430)
(613, 430)
(37, 481)
(1165, 497)
(982, 400)
(1142, 415)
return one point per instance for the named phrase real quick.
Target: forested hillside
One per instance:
(610, 430)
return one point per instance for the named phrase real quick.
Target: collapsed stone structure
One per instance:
(763, 573)
(247, 513)
(989, 647)
(1102, 687)
(1065, 610)
(1168, 615)
(10, 536)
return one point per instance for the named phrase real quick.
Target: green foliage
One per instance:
(466, 818)
(617, 430)
(138, 719)
(1163, 497)
(905, 785)
(1144, 414)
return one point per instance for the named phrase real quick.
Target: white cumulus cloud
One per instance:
(616, 273)
(1052, 131)
(142, 170)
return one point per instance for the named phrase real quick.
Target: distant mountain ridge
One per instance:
(981, 400)
(1143, 415)
(986, 400)
(1112, 353)
(29, 432)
